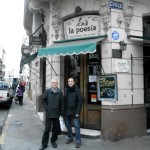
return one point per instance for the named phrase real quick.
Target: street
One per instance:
(23, 131)
(3, 116)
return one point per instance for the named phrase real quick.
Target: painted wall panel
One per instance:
(138, 82)
(106, 64)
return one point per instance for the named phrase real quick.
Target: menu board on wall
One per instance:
(107, 87)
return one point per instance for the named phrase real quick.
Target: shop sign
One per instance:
(116, 5)
(107, 87)
(82, 26)
(93, 59)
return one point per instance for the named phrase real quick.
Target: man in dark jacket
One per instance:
(73, 104)
(54, 106)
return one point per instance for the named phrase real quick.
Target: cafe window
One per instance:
(72, 68)
(93, 69)
(146, 26)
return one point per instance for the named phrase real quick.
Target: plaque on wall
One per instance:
(107, 87)
(121, 65)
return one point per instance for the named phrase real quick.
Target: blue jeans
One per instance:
(76, 123)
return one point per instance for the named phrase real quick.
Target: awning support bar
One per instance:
(52, 67)
(138, 37)
(37, 29)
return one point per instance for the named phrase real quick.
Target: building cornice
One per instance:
(28, 16)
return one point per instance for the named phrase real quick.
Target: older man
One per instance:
(54, 106)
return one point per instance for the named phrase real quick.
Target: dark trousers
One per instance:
(20, 99)
(48, 123)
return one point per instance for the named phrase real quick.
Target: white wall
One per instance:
(125, 93)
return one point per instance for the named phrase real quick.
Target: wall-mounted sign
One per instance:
(121, 65)
(107, 87)
(83, 26)
(115, 35)
(116, 5)
(93, 59)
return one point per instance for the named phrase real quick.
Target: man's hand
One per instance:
(77, 115)
(63, 115)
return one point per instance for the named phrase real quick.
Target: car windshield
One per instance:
(4, 85)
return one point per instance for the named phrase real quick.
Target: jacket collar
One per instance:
(52, 90)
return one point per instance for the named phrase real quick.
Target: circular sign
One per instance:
(115, 35)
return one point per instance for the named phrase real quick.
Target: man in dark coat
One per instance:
(53, 102)
(73, 104)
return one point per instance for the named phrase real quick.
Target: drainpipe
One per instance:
(132, 77)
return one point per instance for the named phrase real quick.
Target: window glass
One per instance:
(73, 68)
(5, 85)
(93, 69)
(1, 85)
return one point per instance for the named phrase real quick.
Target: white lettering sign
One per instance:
(116, 5)
(83, 26)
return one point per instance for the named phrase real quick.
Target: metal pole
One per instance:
(132, 77)
(52, 67)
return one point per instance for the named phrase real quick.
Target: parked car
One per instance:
(6, 94)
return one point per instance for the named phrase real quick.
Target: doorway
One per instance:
(84, 69)
(146, 62)
(147, 83)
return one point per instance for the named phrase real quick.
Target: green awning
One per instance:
(70, 47)
(28, 59)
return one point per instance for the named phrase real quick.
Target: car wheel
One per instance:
(8, 104)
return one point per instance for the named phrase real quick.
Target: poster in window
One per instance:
(107, 87)
(92, 90)
(93, 98)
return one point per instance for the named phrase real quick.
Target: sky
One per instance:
(11, 32)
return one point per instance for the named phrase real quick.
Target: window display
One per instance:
(94, 69)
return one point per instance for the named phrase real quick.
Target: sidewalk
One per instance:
(23, 131)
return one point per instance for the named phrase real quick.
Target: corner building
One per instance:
(102, 44)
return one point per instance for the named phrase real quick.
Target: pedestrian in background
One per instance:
(53, 102)
(20, 92)
(14, 86)
(73, 104)
(23, 83)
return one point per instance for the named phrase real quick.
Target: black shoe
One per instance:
(69, 141)
(78, 145)
(42, 147)
(54, 145)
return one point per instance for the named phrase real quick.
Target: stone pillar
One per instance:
(125, 117)
(36, 6)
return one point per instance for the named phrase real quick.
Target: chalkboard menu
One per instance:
(107, 87)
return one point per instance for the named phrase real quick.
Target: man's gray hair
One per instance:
(55, 80)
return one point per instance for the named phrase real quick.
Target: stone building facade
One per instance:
(112, 79)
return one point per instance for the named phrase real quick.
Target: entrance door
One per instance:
(146, 55)
(85, 68)
(147, 83)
